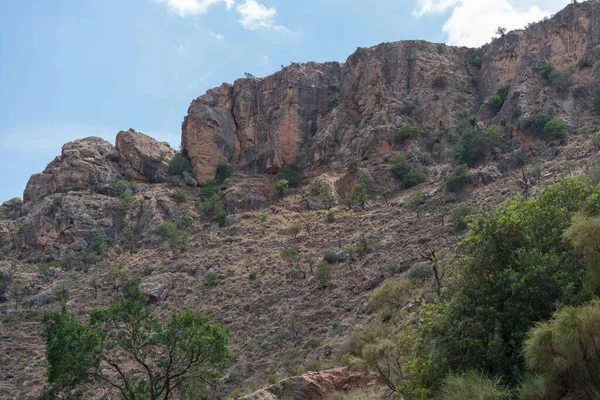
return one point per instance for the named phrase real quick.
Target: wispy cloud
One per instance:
(474, 22)
(217, 36)
(252, 14)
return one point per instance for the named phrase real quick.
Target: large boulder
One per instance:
(146, 157)
(157, 287)
(11, 209)
(90, 163)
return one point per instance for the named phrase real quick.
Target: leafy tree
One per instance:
(327, 196)
(501, 31)
(399, 167)
(223, 172)
(99, 243)
(460, 216)
(170, 233)
(472, 145)
(415, 177)
(535, 124)
(584, 236)
(180, 163)
(515, 269)
(564, 352)
(359, 194)
(125, 347)
(291, 173)
(556, 128)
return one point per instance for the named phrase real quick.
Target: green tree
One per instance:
(212, 207)
(224, 171)
(440, 82)
(399, 167)
(460, 216)
(565, 353)
(327, 196)
(406, 132)
(358, 195)
(146, 358)
(458, 179)
(556, 128)
(497, 100)
(324, 273)
(291, 173)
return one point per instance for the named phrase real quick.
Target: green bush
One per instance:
(544, 126)
(460, 216)
(473, 385)
(330, 257)
(420, 272)
(559, 80)
(223, 172)
(282, 186)
(169, 232)
(415, 177)
(497, 100)
(564, 352)
(458, 179)
(395, 267)
(440, 82)
(324, 273)
(181, 196)
(209, 190)
(212, 208)
(472, 145)
(406, 132)
(291, 173)
(335, 100)
(211, 278)
(330, 217)
(180, 163)
(476, 62)
(99, 242)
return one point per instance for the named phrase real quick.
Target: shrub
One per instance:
(209, 190)
(170, 233)
(564, 352)
(407, 109)
(556, 128)
(282, 186)
(416, 200)
(406, 132)
(472, 146)
(211, 278)
(441, 48)
(476, 62)
(352, 166)
(291, 173)
(223, 172)
(473, 385)
(180, 163)
(535, 124)
(497, 100)
(597, 102)
(358, 195)
(99, 242)
(324, 274)
(458, 179)
(559, 80)
(330, 217)
(327, 196)
(330, 257)
(420, 272)
(460, 216)
(440, 82)
(399, 167)
(289, 253)
(335, 100)
(415, 177)
(181, 196)
(395, 267)
(212, 208)
(390, 295)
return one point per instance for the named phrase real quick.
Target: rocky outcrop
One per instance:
(90, 163)
(147, 158)
(329, 114)
(314, 386)
(11, 209)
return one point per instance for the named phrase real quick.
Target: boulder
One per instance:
(189, 179)
(157, 287)
(90, 163)
(146, 157)
(231, 220)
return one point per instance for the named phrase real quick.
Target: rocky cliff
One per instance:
(328, 114)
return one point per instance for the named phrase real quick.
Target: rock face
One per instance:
(146, 157)
(87, 163)
(328, 114)
(313, 386)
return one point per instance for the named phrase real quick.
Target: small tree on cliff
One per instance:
(128, 349)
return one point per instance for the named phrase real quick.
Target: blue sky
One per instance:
(77, 68)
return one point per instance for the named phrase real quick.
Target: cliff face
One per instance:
(327, 114)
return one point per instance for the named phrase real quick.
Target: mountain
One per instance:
(521, 112)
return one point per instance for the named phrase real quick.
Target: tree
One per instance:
(458, 179)
(584, 236)
(358, 195)
(399, 167)
(327, 196)
(565, 353)
(281, 185)
(125, 347)
(248, 75)
(473, 385)
(291, 173)
(501, 31)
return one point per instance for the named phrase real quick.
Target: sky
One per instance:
(70, 69)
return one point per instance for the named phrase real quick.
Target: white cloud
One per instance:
(474, 22)
(217, 36)
(253, 15)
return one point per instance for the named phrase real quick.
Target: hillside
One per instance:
(521, 113)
